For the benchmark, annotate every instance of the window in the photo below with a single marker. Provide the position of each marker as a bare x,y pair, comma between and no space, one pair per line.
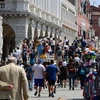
2,4
72,1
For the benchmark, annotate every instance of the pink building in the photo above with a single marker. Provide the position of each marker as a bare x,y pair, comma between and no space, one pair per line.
83,20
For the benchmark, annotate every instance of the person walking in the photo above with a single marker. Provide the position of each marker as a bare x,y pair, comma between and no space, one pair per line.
38,70
51,72
72,71
13,81
82,74
29,74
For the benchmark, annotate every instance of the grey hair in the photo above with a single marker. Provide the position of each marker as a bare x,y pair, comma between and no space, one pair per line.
12,59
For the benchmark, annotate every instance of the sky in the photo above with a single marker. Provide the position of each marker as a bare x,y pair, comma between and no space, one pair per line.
95,2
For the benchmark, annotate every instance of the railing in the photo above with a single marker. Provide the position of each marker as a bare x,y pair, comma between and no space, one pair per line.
69,24
44,14
69,4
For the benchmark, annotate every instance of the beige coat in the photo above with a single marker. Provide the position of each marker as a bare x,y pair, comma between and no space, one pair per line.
15,75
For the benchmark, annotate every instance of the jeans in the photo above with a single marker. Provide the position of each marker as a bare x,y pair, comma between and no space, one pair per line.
30,84
71,79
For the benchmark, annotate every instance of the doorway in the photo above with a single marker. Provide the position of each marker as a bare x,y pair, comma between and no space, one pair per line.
8,41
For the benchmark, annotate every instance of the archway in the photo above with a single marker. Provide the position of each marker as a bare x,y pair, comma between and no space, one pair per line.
8,40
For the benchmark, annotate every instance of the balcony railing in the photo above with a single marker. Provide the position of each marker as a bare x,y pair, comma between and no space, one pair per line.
66,2
44,14
69,24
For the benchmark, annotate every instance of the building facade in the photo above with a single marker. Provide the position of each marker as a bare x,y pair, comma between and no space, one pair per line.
95,19
69,18
95,22
83,20
34,18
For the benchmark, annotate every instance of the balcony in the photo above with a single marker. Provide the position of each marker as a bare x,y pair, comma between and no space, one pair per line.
69,24
68,4
43,14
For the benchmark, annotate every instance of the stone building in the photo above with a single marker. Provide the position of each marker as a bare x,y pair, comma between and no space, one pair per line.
34,18
83,20
95,22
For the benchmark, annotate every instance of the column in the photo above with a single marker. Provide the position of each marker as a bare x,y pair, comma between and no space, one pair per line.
33,29
53,32
43,30
49,32
21,29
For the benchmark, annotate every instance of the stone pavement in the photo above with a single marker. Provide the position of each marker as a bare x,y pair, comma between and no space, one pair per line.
61,92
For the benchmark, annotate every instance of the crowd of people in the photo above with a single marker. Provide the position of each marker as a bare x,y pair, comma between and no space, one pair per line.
68,65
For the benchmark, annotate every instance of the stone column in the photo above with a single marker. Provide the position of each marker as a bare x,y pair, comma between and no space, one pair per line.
43,30
1,38
53,32
33,29
21,29
39,29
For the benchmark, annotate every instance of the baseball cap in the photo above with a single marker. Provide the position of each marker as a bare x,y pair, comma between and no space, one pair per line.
39,61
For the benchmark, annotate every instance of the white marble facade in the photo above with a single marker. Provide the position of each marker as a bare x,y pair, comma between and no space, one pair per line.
34,18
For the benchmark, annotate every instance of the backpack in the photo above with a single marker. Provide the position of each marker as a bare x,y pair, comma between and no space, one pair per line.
24,54
71,68
82,71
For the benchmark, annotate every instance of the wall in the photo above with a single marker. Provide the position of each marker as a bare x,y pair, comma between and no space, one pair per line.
96,24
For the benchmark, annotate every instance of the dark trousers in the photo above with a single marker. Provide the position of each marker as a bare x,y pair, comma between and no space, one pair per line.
71,79
82,79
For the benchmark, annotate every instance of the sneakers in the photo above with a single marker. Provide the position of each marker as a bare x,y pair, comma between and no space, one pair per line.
35,93
72,88
39,95
51,95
